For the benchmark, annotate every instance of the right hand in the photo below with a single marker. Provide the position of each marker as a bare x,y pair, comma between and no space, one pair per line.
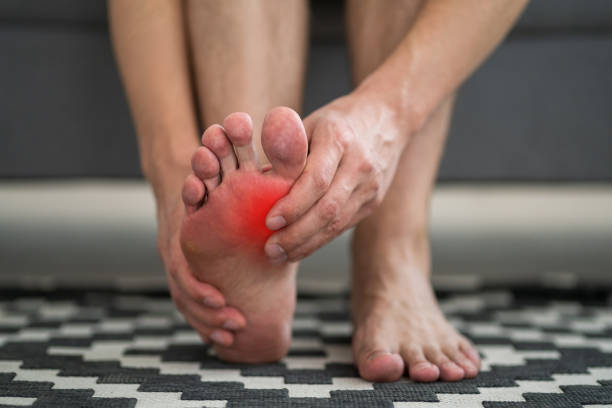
202,305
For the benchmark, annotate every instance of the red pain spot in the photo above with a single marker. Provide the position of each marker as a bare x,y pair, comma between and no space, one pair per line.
256,196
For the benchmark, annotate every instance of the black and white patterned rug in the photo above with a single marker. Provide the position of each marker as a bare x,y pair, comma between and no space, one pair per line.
540,348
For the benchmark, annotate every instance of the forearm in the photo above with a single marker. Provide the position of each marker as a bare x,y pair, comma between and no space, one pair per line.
447,42
150,48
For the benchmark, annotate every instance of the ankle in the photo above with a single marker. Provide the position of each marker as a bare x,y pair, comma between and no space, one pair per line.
383,263
391,243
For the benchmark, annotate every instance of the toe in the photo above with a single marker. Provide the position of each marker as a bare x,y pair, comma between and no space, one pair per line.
239,130
470,352
193,193
215,139
206,167
374,358
284,141
449,371
419,369
460,359
380,366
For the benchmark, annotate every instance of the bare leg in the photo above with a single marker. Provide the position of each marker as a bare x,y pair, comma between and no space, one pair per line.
248,56
398,324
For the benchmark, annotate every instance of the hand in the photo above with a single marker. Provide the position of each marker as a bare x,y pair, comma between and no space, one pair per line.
202,305
355,144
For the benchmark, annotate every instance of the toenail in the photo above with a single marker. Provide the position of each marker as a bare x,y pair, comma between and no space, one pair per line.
212,302
276,253
450,365
421,365
378,354
217,337
276,223
231,325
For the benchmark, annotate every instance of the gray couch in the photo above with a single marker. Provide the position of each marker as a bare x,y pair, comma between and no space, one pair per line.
539,109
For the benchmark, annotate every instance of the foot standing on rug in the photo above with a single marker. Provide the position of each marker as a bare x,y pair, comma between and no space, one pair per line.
367,159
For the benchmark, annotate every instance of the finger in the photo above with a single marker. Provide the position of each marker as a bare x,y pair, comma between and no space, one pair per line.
318,240
328,233
194,289
321,165
326,219
207,333
212,335
226,318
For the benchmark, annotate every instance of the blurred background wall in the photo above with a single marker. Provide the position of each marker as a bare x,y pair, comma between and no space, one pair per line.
524,182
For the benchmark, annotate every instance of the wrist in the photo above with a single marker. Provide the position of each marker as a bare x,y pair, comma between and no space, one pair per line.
395,93
398,84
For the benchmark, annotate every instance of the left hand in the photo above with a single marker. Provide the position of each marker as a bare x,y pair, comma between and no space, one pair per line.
354,146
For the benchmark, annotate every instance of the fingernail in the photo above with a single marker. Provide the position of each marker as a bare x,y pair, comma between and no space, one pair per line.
276,253
231,325
275,223
212,302
217,337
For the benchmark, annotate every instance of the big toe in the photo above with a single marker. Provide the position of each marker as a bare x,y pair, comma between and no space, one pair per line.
284,141
380,366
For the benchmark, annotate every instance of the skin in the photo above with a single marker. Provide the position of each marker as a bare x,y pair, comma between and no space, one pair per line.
366,130
227,198
152,42
372,158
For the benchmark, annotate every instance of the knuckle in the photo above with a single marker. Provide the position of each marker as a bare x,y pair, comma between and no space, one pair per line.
330,209
341,135
366,165
321,180
335,227
343,138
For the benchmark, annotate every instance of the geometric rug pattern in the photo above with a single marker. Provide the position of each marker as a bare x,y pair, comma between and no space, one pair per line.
540,348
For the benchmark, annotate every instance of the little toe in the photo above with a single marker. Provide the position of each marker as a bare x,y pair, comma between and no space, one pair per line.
215,139
239,130
206,167
193,193
284,141
470,351
449,371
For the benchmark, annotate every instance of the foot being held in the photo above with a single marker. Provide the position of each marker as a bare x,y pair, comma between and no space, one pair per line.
227,199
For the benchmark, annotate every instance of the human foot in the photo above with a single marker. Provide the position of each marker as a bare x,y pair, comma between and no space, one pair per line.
398,324
227,199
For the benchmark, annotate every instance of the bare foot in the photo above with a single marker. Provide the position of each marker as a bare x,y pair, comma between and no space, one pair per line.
398,324
227,199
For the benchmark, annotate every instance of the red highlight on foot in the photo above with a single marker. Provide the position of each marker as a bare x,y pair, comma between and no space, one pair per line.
234,217
259,194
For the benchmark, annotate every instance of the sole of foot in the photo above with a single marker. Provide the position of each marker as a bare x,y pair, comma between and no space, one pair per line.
399,327
223,234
